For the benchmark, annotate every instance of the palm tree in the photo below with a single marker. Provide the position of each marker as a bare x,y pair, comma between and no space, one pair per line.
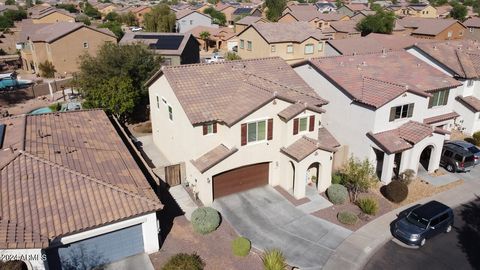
205,36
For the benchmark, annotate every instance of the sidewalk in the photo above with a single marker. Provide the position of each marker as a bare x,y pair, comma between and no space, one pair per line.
357,249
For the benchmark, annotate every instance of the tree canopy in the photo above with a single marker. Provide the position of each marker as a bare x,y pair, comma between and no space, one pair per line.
68,7
10,2
10,16
160,19
275,9
83,18
458,12
114,79
218,17
115,27
381,22
91,11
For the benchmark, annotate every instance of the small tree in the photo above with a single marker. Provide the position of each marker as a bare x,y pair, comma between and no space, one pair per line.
83,18
381,22
47,69
218,17
205,36
275,9
359,176
459,11
160,19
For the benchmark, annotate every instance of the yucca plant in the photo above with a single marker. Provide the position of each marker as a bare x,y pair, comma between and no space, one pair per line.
273,260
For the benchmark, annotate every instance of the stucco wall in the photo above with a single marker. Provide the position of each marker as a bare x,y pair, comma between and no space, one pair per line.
53,18
193,20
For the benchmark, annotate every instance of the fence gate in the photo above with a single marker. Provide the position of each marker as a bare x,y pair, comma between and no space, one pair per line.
173,175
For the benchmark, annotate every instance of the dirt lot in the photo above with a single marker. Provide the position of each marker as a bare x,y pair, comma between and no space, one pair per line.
214,248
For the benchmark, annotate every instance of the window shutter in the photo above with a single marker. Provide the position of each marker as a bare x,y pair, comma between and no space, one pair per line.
430,102
311,125
205,129
410,109
270,129
295,126
214,127
244,134
445,97
392,114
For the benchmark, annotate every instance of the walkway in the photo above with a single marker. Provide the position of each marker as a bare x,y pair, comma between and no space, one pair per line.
270,221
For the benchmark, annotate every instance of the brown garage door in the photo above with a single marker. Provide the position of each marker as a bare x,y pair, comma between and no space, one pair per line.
240,179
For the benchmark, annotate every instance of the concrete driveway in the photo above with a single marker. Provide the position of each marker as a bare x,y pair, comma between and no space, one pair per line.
270,221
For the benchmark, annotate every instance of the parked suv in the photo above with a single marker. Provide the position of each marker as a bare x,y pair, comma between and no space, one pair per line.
469,147
423,222
454,158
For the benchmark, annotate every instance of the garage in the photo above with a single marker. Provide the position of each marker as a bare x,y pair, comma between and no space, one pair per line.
98,250
240,179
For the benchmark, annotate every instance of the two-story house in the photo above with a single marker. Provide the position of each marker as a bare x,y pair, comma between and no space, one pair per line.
47,14
309,13
473,28
239,125
420,10
188,19
293,42
430,28
398,108
458,59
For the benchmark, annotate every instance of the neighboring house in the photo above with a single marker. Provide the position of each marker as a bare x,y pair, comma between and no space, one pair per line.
188,19
140,12
241,12
444,11
439,29
420,10
372,43
293,42
473,28
345,29
219,38
398,120
458,59
326,7
71,191
352,9
239,125
228,10
243,23
47,14
361,15
315,18
61,44
175,49
105,8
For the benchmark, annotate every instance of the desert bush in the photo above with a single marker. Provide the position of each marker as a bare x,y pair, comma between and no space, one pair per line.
273,260
205,220
396,191
476,137
241,246
358,176
407,176
337,178
47,69
184,261
347,217
369,206
470,140
337,193
55,107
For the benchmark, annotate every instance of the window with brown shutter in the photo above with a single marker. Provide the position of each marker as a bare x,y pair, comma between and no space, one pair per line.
312,123
243,135
295,126
214,127
270,129
205,129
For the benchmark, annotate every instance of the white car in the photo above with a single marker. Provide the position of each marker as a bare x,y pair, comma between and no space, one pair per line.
214,58
136,29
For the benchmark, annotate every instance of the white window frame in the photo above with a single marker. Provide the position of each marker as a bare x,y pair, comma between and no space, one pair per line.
289,46
307,125
440,99
85,45
273,48
249,45
403,110
469,83
320,46
242,44
256,131
310,45
209,128
170,112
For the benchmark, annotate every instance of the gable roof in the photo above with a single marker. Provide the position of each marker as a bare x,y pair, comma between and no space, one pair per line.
51,32
462,57
162,43
212,157
349,26
242,10
72,173
470,102
247,20
248,84
306,13
40,12
473,22
286,32
305,146
357,7
366,79
185,12
427,26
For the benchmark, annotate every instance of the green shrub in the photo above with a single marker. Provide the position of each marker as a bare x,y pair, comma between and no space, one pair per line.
337,178
205,220
470,140
337,194
183,261
476,137
369,206
273,260
407,176
241,246
47,69
347,217
55,107
396,191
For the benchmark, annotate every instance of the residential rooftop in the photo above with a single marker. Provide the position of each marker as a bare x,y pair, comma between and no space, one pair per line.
426,26
162,43
286,32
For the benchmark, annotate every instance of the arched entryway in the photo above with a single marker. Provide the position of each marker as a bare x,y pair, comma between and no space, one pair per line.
426,158
291,174
313,173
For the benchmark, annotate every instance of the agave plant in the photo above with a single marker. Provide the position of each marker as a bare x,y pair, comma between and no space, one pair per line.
273,260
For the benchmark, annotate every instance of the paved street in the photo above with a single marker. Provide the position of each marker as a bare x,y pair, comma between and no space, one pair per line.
458,249
270,221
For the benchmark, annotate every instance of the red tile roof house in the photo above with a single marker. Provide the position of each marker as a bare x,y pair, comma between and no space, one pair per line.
385,107
239,125
460,60
71,190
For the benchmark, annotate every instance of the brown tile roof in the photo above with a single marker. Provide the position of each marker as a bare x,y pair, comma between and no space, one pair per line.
357,7
366,79
216,33
286,32
73,173
305,146
440,118
185,12
345,26
213,157
472,22
401,138
306,13
53,31
207,91
374,43
247,20
15,236
471,102
133,37
462,57
295,109
38,14
13,140
441,10
138,9
426,26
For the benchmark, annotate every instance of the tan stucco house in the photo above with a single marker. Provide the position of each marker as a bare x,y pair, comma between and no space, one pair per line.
48,14
439,29
293,42
237,125
61,44
420,10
